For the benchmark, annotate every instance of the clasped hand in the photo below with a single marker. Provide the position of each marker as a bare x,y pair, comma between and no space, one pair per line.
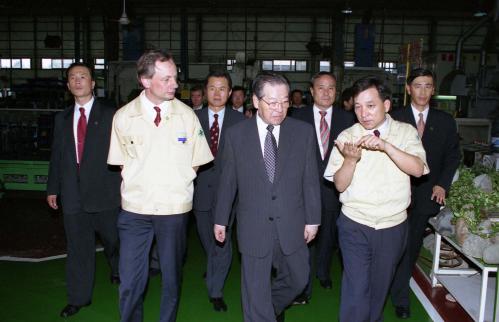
353,151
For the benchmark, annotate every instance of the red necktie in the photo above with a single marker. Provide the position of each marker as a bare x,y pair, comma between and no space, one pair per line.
157,120
324,129
214,136
81,131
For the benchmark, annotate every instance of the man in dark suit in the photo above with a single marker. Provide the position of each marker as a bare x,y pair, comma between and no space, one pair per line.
215,120
328,122
269,160
438,133
88,190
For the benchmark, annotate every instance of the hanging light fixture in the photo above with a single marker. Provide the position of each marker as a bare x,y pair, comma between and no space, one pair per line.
347,10
124,18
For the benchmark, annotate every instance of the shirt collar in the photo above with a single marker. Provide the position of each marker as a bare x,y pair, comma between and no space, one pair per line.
87,106
416,112
220,113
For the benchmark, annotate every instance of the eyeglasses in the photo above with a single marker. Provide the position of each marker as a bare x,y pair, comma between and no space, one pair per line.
274,105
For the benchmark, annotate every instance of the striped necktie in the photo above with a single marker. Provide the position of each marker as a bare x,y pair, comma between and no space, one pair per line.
324,132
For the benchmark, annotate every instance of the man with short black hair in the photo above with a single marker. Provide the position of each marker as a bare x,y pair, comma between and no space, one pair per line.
438,133
215,120
237,98
371,165
87,188
328,122
196,97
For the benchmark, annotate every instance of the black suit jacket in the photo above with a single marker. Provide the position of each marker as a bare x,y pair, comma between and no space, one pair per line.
206,181
95,186
441,143
291,202
340,121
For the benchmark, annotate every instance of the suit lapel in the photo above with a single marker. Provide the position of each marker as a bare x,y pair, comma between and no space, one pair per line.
283,150
428,127
254,150
205,123
69,133
92,138
309,117
409,116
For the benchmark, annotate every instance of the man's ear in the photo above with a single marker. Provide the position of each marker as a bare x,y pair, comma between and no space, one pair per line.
146,82
387,104
255,101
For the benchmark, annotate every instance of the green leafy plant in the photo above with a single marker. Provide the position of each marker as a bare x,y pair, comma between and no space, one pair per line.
471,203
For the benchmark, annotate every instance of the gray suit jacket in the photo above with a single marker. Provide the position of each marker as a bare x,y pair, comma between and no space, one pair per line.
291,202
95,186
206,181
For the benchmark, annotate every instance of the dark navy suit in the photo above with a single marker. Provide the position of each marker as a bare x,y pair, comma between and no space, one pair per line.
441,143
271,217
219,256
89,195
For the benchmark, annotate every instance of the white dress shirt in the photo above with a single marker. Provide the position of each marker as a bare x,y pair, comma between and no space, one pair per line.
262,132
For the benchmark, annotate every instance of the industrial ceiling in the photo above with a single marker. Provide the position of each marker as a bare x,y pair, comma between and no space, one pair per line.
113,8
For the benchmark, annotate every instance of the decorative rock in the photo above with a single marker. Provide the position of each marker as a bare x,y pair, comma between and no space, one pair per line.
442,222
474,245
485,227
462,231
491,254
483,182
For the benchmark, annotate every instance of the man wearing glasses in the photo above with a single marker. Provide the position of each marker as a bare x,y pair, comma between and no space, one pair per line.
269,161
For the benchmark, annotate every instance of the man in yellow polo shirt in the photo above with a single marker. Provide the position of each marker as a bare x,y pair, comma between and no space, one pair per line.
371,166
159,143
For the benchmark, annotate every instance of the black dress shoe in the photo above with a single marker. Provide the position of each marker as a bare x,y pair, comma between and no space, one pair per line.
218,304
115,279
70,309
301,299
280,317
327,284
403,312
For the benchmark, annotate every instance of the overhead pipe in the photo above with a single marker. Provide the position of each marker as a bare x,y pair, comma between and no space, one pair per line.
466,35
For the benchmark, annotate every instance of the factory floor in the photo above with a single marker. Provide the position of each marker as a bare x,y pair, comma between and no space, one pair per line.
35,291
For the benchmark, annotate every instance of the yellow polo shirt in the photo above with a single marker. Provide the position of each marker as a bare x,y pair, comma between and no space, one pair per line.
380,192
157,161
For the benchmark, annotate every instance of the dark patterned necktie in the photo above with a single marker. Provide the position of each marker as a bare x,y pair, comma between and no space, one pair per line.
270,153
81,132
214,133
157,120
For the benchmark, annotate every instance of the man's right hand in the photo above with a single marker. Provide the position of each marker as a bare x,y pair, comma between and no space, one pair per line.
219,232
52,201
350,151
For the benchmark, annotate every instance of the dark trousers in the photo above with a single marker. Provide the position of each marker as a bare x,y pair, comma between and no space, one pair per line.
370,258
219,256
80,231
326,243
264,297
136,235
400,288
321,249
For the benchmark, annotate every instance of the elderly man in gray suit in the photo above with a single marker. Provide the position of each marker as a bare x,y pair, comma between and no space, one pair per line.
269,160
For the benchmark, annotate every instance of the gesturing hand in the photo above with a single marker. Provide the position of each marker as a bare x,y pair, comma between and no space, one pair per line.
349,150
